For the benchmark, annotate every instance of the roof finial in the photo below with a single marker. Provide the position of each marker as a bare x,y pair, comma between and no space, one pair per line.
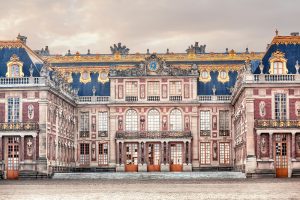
276,32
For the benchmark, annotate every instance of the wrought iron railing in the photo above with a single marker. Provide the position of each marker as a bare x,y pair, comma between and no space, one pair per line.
152,134
84,134
102,133
18,126
277,123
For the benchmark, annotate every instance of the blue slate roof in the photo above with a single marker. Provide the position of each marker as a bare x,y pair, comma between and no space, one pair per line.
23,54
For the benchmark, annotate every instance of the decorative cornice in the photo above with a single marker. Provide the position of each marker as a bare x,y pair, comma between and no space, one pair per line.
141,57
11,44
286,40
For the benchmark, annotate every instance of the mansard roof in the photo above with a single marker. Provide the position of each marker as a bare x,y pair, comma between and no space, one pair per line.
10,48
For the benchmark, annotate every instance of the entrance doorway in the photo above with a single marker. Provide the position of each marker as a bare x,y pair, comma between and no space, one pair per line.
13,158
131,157
153,157
281,159
176,157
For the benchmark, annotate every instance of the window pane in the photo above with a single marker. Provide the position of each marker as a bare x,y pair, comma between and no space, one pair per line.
103,121
131,121
175,120
175,88
153,120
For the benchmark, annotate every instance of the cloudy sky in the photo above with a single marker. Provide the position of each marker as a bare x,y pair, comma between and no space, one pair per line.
79,25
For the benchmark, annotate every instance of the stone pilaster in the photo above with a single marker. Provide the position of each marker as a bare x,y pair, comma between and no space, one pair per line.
271,145
1,149
293,146
21,146
258,145
112,135
195,142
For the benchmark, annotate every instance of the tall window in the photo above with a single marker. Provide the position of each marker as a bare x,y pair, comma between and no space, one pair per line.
280,106
224,122
153,88
205,123
175,88
13,109
131,88
84,154
175,120
131,121
103,121
84,124
278,67
103,154
224,153
205,153
153,120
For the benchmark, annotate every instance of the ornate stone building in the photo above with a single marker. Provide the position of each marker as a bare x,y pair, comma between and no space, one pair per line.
119,112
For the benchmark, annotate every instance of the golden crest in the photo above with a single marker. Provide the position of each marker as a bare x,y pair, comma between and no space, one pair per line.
223,76
85,77
14,67
103,76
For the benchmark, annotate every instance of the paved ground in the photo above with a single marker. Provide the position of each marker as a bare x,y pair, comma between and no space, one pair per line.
151,189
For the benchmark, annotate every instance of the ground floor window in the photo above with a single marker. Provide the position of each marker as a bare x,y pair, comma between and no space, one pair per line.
224,153
103,154
176,154
84,154
205,153
131,154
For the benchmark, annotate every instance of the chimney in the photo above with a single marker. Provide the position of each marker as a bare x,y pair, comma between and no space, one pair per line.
295,34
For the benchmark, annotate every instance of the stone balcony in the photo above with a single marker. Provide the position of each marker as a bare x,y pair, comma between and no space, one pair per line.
214,98
19,126
270,78
263,124
153,134
93,100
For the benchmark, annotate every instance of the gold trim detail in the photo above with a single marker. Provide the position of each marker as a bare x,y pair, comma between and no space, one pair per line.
278,56
286,40
103,77
87,79
202,75
14,60
223,76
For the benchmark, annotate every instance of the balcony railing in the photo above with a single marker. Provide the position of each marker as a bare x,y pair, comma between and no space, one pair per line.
153,98
102,133
175,98
214,98
12,82
277,123
18,126
152,134
93,99
276,78
131,98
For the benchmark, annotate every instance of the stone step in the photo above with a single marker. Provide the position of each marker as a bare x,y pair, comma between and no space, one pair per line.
31,175
150,175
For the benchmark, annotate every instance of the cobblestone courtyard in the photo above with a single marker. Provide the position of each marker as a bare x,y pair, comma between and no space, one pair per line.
151,189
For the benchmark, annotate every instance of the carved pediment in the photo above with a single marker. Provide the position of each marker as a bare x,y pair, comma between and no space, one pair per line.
155,66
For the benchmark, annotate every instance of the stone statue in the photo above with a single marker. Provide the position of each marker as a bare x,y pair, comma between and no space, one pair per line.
29,147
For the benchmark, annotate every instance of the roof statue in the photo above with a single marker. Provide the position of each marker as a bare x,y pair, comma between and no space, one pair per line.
123,50
196,49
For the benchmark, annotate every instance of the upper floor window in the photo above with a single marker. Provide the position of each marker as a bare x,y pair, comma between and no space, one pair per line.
278,68
14,67
278,63
131,120
205,123
13,109
280,106
175,88
84,121
153,88
175,120
103,121
131,88
153,120
224,122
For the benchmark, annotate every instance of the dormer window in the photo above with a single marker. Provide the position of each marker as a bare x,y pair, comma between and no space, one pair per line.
14,67
278,64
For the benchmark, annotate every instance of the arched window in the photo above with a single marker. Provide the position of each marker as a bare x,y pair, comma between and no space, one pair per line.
153,120
176,120
131,120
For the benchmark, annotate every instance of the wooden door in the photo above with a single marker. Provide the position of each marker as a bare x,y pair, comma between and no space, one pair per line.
176,157
131,157
12,148
153,150
281,155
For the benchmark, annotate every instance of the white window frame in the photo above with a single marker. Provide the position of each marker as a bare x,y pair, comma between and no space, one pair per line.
103,121
205,153
280,106
131,88
13,109
84,121
176,120
131,120
153,120
175,88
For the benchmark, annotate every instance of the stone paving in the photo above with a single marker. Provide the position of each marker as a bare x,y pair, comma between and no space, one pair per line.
151,189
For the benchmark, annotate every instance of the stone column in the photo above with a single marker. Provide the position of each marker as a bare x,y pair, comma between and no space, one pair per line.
258,145
145,153
271,145
122,153
162,152
117,153
293,149
140,153
22,149
190,153
34,149
184,154
1,150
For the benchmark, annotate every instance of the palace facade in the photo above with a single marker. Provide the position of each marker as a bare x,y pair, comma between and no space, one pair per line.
142,112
